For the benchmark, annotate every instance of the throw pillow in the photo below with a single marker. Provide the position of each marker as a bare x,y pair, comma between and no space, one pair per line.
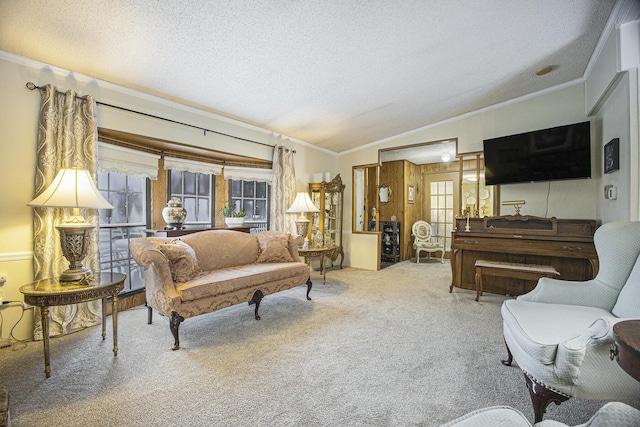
182,260
274,249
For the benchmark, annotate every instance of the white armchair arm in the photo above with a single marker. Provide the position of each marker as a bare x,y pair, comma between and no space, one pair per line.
600,331
571,352
591,293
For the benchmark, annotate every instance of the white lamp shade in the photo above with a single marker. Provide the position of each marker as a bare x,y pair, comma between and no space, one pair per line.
302,203
72,188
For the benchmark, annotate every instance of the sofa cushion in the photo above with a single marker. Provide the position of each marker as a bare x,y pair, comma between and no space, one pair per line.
218,249
219,282
182,260
628,303
274,248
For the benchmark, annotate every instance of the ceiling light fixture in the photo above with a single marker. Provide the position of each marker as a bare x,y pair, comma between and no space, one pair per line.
544,70
446,156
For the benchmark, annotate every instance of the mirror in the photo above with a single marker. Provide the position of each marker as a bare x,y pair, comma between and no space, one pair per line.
476,200
364,198
385,193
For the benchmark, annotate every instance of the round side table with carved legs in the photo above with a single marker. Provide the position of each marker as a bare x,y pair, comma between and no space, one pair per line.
49,292
322,253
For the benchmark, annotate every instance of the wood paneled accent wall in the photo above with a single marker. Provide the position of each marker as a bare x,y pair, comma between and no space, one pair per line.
392,175
398,175
412,211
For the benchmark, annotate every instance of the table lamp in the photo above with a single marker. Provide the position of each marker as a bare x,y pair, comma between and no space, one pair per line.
73,188
302,204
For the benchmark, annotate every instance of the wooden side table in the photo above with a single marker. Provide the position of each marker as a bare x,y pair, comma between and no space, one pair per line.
322,253
626,349
50,292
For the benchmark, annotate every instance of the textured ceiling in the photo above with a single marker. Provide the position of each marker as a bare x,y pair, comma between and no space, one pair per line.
338,74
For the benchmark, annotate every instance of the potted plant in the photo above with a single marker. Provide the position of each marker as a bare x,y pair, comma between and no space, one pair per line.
232,217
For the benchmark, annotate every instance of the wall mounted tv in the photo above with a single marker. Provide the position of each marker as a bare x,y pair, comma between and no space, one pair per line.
558,153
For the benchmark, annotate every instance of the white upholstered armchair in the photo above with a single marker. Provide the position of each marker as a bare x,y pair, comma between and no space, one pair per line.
424,240
560,333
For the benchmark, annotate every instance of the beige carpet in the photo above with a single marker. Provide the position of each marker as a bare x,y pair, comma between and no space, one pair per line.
384,348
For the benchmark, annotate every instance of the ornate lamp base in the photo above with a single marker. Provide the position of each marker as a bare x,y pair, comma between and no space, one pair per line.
75,240
302,227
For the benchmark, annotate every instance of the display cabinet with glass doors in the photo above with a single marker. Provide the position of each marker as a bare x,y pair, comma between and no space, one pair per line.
476,199
325,229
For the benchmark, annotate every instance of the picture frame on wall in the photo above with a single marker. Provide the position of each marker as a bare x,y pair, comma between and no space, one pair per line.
410,194
612,155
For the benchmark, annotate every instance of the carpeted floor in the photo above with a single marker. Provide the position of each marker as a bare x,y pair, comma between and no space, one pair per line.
386,348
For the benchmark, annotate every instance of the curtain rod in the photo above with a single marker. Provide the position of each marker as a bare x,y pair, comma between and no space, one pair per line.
33,86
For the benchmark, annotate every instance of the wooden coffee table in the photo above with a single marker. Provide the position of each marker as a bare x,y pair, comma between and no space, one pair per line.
49,292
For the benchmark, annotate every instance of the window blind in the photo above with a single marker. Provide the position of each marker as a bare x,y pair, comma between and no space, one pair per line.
248,174
125,161
173,163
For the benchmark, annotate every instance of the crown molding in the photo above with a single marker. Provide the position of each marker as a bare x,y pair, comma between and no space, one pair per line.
469,114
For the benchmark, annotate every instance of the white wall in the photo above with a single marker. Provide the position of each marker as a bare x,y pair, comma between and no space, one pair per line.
613,122
19,110
612,99
566,199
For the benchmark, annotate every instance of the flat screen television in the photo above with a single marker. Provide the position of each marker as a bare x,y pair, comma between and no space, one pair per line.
558,153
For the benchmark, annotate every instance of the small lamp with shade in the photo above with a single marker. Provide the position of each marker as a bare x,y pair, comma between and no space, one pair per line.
302,204
73,188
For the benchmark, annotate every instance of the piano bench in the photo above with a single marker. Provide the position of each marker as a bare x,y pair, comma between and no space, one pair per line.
511,270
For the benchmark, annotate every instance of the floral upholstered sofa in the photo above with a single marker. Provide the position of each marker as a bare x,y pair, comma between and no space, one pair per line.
209,270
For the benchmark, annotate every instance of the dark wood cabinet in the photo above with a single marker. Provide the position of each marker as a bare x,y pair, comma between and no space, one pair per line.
565,244
390,241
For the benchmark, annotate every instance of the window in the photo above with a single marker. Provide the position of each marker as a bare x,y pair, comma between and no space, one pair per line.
196,191
128,195
253,197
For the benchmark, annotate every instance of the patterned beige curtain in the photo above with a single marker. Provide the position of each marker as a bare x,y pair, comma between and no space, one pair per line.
283,190
66,138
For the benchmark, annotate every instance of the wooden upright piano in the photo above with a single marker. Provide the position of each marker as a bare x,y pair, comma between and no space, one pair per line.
566,244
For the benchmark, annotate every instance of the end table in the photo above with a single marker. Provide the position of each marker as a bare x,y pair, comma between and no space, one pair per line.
626,347
317,252
49,292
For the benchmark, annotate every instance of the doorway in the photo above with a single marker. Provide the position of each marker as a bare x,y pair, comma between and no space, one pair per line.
408,173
